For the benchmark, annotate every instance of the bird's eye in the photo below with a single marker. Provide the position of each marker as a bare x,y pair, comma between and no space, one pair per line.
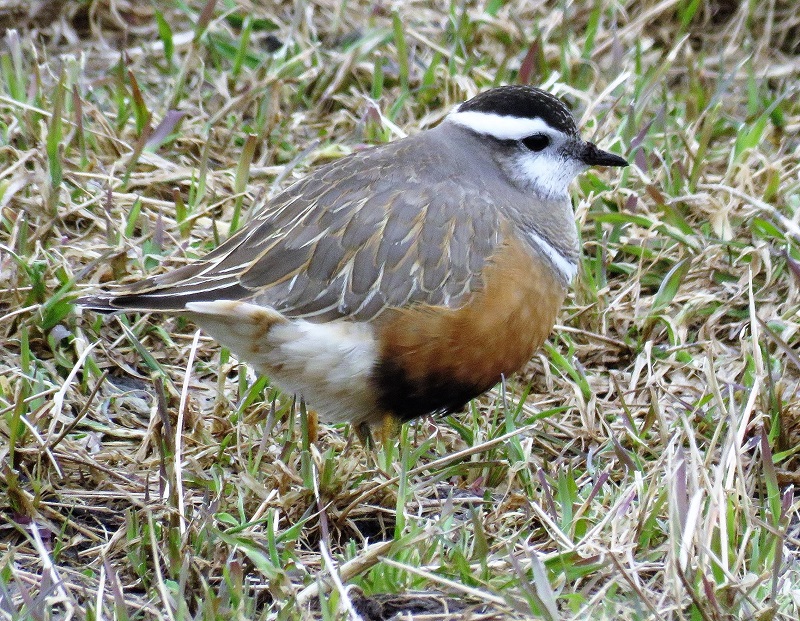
537,142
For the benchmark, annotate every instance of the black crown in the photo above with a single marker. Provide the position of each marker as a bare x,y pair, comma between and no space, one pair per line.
525,102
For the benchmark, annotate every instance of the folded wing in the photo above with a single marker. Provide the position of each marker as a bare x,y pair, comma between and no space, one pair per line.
346,241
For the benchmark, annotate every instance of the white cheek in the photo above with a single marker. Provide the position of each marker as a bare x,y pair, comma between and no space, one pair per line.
547,174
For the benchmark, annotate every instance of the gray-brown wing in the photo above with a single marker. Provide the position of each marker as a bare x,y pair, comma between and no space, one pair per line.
375,249
379,242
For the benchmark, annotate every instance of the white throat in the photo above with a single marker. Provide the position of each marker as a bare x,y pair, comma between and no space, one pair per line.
547,174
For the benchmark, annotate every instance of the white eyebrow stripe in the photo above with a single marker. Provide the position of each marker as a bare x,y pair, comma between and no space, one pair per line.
499,126
567,268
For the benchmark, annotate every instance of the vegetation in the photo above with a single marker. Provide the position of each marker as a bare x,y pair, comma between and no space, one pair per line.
642,467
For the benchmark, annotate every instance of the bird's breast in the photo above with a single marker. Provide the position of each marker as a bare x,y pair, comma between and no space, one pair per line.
432,358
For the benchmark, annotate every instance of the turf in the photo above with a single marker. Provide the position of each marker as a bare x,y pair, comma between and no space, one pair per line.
641,467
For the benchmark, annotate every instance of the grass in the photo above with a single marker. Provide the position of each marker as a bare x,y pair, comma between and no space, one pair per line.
643,465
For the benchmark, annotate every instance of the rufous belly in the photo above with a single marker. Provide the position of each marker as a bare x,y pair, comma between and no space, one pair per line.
433,358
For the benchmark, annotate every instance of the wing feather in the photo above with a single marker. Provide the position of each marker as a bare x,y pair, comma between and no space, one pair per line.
415,237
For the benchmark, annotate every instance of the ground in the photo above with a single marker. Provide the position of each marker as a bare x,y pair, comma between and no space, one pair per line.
641,467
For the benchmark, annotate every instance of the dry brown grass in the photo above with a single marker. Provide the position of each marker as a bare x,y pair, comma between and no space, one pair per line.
643,466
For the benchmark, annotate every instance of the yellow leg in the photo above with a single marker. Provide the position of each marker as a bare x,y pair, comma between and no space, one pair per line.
313,426
309,424
364,434
384,430
389,428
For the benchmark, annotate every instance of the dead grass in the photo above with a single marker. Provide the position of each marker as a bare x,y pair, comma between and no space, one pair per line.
642,468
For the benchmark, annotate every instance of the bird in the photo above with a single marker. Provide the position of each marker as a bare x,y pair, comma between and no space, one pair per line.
402,280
